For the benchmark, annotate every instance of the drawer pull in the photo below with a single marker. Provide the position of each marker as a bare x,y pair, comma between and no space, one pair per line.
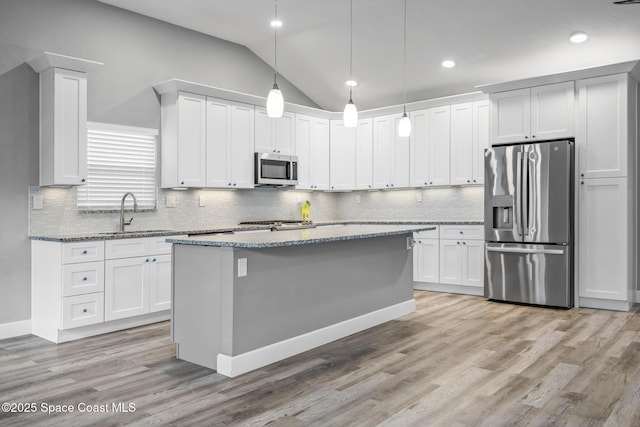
84,252
84,310
154,260
84,279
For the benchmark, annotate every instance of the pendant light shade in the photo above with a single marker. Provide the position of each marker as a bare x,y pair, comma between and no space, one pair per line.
350,116
404,126
275,101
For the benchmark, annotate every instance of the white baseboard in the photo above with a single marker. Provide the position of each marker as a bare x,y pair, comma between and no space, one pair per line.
451,289
15,329
603,304
233,366
112,326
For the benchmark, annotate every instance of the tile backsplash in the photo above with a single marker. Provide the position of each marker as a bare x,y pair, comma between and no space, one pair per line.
203,209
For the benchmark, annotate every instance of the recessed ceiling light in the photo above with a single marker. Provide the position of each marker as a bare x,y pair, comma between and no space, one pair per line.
351,83
276,24
447,63
579,37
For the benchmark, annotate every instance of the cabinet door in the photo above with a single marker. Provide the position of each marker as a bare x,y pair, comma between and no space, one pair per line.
419,147
343,156
552,111
303,147
69,120
439,145
242,145
480,139
450,262
473,263
284,133
126,289
192,140
218,132
400,156
426,260
601,138
364,154
381,152
510,116
319,151
462,154
263,131
160,283
603,235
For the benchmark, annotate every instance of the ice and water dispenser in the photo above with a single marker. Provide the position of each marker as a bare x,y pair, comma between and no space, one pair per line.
502,212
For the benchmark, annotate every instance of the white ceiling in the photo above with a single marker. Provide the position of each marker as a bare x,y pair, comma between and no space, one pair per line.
491,41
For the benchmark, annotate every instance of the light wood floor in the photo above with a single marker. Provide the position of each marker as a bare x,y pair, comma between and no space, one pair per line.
458,361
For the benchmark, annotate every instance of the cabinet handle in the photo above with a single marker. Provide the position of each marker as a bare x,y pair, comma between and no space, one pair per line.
83,180
84,310
234,184
369,186
526,137
457,243
533,136
84,252
146,260
430,183
392,185
84,279
461,232
464,243
581,182
582,175
468,181
181,182
474,180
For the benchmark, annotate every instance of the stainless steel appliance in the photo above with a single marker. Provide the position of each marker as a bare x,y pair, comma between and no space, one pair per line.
276,169
528,222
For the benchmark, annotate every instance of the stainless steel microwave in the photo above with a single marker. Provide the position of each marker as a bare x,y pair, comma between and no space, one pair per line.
276,169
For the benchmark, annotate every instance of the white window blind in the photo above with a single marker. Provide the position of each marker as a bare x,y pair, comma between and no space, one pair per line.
119,159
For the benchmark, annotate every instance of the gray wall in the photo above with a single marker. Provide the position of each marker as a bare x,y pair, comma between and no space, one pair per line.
137,52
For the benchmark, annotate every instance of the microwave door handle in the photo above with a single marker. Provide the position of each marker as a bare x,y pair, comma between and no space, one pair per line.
517,205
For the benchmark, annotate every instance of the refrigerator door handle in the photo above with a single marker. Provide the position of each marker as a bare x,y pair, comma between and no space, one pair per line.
517,203
526,251
526,179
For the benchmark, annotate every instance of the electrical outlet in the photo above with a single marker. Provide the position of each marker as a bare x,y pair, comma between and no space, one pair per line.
202,202
170,202
36,202
357,199
419,196
242,267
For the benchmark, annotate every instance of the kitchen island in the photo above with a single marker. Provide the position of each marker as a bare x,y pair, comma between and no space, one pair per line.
243,301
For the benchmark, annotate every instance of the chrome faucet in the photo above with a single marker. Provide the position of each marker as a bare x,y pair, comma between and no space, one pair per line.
135,209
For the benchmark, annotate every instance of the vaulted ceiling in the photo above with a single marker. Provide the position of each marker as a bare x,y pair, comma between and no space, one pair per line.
491,41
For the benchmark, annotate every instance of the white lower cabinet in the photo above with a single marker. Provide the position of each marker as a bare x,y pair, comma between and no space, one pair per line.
450,264
91,283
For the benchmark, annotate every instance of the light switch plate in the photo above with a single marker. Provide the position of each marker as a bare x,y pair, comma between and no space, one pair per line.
170,202
242,267
36,202
202,202
357,199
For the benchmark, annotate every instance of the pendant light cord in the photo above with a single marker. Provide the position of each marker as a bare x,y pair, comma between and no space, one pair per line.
275,43
405,58
350,46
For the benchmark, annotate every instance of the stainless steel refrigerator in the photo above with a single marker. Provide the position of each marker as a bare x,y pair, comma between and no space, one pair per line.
528,223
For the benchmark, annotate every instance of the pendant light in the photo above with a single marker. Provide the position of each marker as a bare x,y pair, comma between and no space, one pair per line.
404,126
275,102
350,116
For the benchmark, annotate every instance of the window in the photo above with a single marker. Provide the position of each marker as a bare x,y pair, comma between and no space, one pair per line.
119,159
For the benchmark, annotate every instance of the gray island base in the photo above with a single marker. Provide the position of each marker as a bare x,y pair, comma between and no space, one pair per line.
244,301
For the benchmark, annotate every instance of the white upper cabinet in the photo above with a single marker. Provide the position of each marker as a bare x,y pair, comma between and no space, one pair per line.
192,140
364,154
312,148
274,135
382,152
538,113
602,135
469,138
439,144
401,153
343,156
418,145
230,144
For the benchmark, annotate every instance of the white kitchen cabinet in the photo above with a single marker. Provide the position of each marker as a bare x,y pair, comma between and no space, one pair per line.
538,113
602,135
439,145
230,144
469,138
364,154
450,260
63,118
342,151
274,135
160,283
426,256
126,287
391,154
312,148
604,241
419,148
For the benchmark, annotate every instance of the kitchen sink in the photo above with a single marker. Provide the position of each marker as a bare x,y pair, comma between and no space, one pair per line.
111,233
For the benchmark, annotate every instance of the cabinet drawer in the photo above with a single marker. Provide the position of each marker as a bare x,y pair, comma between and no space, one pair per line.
82,278
126,248
467,232
82,251
82,310
430,234
159,245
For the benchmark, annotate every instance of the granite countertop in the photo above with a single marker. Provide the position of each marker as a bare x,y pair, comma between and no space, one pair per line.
111,235
302,236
